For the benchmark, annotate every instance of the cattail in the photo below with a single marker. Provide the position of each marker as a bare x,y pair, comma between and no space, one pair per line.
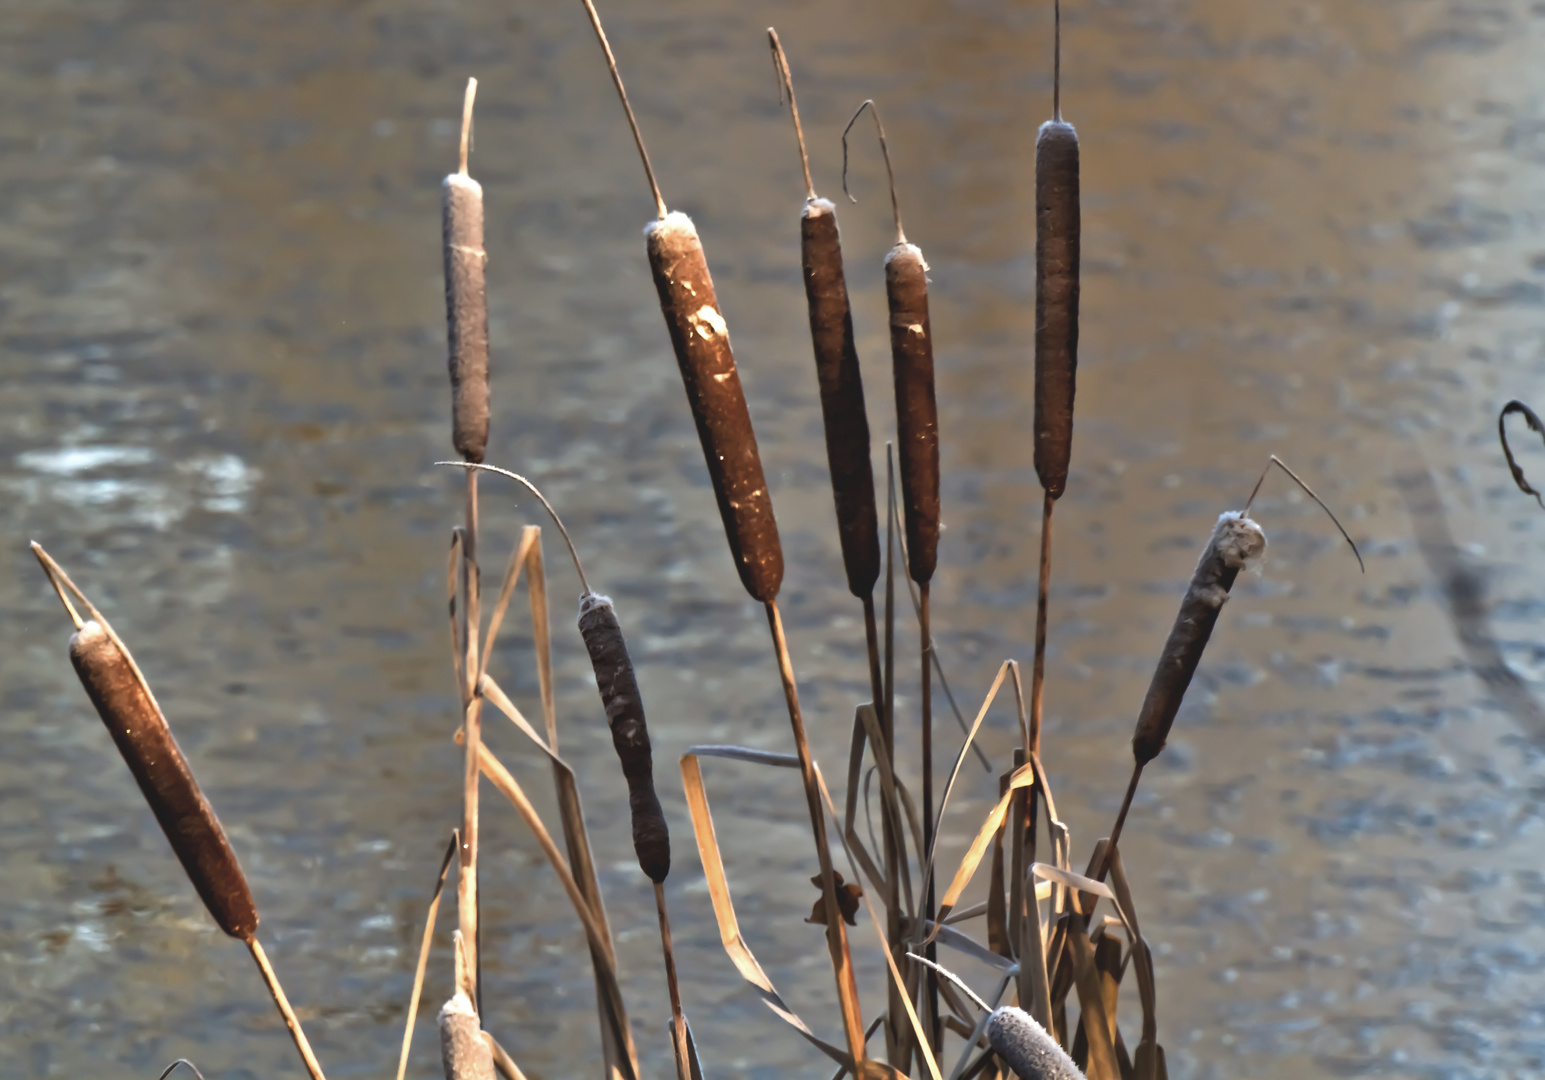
917,415
464,1053
702,344
1057,223
148,748
1235,540
836,368
466,303
1026,1048
630,735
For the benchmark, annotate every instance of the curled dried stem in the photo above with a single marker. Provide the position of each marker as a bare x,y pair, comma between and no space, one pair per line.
1533,420
786,83
890,176
529,486
1275,460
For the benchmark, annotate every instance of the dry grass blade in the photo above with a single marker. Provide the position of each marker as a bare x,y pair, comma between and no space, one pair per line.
960,758
496,696
918,1034
1091,1001
600,944
1142,959
1535,425
423,955
1071,880
724,911
529,538
571,813
774,758
502,1060
1022,777
1309,491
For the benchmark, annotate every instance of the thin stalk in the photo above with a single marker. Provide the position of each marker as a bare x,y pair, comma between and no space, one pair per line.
678,1024
836,932
290,1020
472,713
1038,672
930,951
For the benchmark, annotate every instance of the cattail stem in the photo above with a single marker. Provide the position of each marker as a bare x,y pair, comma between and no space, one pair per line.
290,1020
930,950
678,1024
472,714
836,932
622,93
1121,820
876,676
1038,672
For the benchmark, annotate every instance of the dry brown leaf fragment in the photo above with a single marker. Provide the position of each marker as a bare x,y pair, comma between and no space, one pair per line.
847,901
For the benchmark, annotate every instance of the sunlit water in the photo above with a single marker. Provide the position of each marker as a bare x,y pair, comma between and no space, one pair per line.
1309,229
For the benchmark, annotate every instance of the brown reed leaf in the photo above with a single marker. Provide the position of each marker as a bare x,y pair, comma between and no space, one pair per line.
1096,1022
735,946
502,1060
423,953
529,537
600,943
1022,777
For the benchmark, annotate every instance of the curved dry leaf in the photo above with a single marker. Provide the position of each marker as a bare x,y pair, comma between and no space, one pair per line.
1530,418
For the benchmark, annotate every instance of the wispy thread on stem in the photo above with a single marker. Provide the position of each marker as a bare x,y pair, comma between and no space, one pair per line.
574,555
786,83
1275,460
622,93
890,176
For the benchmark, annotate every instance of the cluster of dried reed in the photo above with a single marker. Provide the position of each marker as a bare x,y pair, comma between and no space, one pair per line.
1043,933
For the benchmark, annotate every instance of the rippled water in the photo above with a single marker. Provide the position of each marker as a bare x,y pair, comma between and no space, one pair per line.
1310,229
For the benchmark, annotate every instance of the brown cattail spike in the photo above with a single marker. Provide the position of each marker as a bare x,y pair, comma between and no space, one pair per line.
1057,223
702,344
466,304
842,395
1235,541
153,757
917,414
630,735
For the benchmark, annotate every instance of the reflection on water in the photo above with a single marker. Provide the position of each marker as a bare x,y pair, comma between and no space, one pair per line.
1310,229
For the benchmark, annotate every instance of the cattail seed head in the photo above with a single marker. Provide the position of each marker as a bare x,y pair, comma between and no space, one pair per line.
466,312
630,735
842,395
702,344
1057,227
917,414
148,748
1026,1047
1235,541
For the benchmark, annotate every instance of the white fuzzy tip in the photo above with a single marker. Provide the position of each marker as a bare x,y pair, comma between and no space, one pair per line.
674,222
818,208
1238,539
590,601
906,251
462,180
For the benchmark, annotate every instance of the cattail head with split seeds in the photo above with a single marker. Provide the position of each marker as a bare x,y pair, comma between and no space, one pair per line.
157,764
702,344
1236,540
630,735
466,302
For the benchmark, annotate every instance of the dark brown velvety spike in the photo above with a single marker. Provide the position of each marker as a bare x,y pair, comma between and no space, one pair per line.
842,396
917,415
630,735
702,344
150,751
1235,541
1057,224
466,313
